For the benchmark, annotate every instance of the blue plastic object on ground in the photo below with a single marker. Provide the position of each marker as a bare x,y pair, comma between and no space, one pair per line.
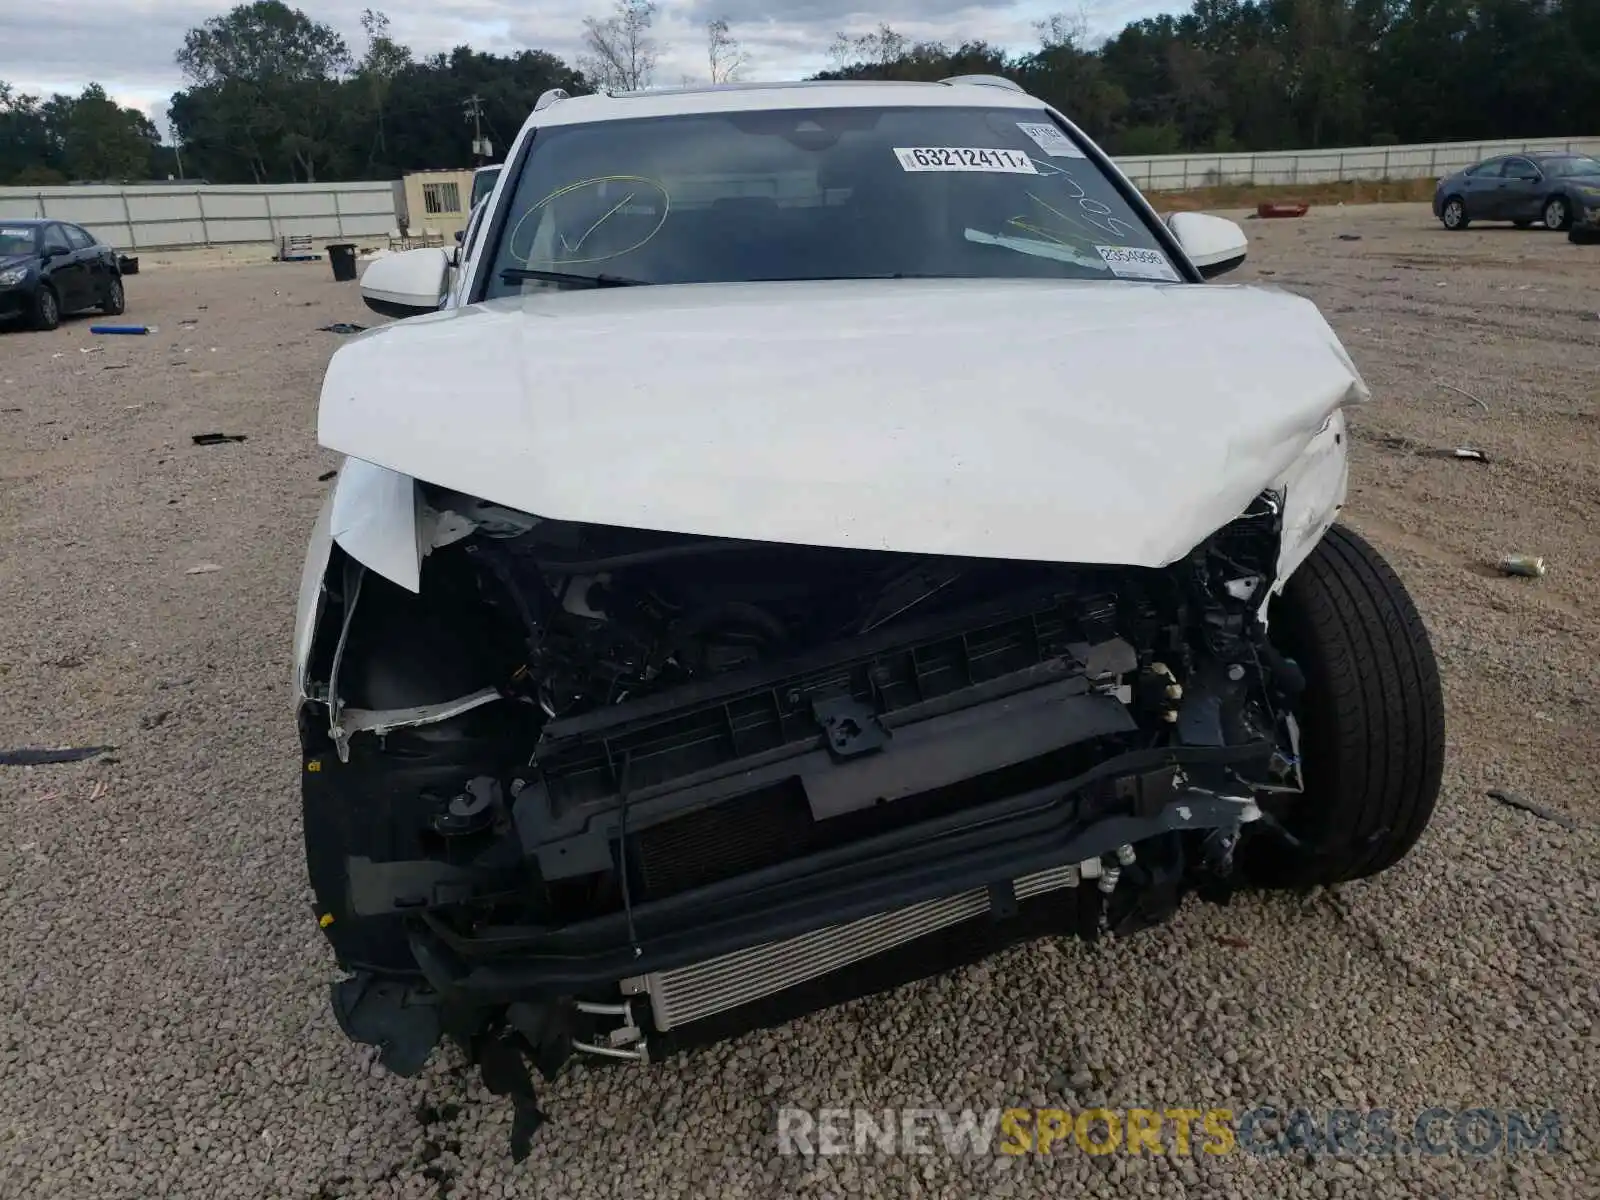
130,329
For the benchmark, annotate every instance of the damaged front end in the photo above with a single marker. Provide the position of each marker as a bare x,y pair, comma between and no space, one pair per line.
589,790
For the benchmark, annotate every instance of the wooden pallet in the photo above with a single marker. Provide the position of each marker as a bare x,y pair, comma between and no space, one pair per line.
295,248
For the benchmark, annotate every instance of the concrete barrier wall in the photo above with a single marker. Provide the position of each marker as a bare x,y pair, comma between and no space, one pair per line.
170,216
1183,172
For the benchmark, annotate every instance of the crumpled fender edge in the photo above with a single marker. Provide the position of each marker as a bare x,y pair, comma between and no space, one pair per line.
371,514
308,609
1313,493
374,520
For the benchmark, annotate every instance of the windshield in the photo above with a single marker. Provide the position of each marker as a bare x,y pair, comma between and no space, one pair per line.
482,185
1578,164
16,239
821,193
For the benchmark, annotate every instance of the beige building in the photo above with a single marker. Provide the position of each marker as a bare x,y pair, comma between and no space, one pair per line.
436,202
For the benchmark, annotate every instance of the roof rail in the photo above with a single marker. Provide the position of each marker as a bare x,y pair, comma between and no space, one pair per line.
549,98
999,81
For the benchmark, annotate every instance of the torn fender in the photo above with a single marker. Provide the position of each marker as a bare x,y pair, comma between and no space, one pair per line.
371,514
313,593
374,521
376,517
1313,492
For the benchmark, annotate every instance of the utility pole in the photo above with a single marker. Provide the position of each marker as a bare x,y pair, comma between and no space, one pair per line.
473,109
177,147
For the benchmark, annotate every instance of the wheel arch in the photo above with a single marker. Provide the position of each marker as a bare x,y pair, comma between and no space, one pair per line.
1371,717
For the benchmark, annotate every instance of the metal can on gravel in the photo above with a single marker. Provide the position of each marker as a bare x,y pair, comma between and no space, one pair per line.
1531,565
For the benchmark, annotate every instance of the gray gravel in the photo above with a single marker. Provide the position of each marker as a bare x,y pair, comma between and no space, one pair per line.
163,1024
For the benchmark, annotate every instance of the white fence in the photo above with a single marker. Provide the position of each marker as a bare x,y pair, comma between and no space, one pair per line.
168,216
1181,172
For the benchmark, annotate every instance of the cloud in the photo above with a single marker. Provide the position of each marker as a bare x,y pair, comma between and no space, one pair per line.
66,44
839,14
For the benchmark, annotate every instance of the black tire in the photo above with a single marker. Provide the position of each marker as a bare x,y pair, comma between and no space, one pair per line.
1557,213
46,312
1371,721
1584,235
116,299
1453,214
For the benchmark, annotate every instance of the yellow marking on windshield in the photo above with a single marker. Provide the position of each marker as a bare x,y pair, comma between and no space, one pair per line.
1070,220
598,223
517,229
1029,227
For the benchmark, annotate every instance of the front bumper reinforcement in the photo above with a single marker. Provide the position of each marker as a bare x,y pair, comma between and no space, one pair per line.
1122,800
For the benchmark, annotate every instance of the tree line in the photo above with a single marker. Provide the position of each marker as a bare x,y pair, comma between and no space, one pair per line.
275,96
89,136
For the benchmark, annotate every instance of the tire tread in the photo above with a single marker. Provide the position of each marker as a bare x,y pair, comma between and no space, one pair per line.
1377,747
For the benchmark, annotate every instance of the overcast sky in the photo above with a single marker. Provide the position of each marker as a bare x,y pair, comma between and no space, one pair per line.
127,45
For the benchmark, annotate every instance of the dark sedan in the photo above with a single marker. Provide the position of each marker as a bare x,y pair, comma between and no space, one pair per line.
48,268
1551,188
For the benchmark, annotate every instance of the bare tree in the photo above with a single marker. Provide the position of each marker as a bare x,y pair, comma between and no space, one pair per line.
384,60
620,53
723,52
1064,30
878,48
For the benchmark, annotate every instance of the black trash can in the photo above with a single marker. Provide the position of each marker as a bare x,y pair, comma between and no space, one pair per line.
342,255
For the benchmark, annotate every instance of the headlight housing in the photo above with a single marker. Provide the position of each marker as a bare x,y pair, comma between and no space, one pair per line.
13,276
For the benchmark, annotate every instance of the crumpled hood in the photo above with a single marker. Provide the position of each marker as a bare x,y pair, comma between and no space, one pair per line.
1077,422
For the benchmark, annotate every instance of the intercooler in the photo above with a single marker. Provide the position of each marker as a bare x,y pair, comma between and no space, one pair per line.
719,984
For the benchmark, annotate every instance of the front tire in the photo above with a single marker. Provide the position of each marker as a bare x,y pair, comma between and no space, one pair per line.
1557,214
1371,720
46,314
1454,214
116,300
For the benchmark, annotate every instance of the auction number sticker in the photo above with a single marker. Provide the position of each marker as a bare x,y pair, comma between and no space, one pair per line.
1050,139
23,232
1132,262
969,158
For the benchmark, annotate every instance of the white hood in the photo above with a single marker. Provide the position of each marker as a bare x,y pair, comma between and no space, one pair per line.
1110,422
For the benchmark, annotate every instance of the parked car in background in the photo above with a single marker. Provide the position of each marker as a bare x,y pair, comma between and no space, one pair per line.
1585,230
48,268
483,181
1553,188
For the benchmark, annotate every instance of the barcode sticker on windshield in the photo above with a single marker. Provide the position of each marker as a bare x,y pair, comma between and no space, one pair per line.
1051,140
1133,262
955,158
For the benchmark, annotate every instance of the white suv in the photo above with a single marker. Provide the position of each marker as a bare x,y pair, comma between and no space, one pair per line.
830,533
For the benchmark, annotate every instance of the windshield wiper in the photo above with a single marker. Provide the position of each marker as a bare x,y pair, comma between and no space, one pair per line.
515,274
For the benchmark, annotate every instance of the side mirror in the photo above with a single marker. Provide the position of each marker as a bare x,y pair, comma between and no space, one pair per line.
1215,245
460,236
408,283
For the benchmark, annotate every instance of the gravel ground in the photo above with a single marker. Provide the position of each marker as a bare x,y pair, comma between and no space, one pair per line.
163,1023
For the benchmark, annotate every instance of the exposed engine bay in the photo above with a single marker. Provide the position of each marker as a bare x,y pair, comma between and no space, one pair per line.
592,789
